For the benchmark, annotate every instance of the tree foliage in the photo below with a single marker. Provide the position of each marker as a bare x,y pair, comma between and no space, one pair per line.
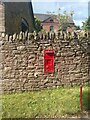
63,19
77,27
86,24
37,24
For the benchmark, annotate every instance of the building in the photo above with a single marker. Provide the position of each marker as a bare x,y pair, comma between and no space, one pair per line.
51,23
16,17
48,22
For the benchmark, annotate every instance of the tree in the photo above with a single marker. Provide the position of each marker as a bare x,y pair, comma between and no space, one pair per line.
63,19
37,24
86,24
77,27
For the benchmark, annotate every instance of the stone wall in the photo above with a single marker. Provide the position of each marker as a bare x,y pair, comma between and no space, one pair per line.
23,61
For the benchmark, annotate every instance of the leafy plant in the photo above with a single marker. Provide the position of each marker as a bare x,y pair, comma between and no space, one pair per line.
37,24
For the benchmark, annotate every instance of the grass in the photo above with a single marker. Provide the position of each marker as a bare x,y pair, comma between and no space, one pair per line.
46,103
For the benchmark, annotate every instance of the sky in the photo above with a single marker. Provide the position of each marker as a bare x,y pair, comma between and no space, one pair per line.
80,8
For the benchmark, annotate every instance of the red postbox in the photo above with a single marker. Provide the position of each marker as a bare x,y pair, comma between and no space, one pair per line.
48,61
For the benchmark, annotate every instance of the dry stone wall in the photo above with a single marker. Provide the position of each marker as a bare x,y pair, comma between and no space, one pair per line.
22,62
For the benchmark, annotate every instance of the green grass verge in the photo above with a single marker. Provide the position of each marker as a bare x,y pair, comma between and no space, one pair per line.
46,103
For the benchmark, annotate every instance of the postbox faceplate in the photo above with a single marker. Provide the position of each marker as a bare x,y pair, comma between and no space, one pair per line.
48,61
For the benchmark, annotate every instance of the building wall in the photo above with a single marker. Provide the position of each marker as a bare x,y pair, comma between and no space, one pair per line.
47,23
46,26
23,61
14,12
2,18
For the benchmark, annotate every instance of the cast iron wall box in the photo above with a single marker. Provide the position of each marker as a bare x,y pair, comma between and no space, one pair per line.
48,61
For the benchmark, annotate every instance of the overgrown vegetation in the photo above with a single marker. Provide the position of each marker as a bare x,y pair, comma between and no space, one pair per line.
86,24
63,19
37,24
56,102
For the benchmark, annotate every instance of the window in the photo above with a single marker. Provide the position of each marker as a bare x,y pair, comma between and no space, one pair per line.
51,20
51,28
24,25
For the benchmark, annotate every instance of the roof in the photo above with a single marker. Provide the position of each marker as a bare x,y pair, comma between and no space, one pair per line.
43,17
70,19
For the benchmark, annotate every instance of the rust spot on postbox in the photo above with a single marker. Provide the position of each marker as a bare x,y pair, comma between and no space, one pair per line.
48,61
